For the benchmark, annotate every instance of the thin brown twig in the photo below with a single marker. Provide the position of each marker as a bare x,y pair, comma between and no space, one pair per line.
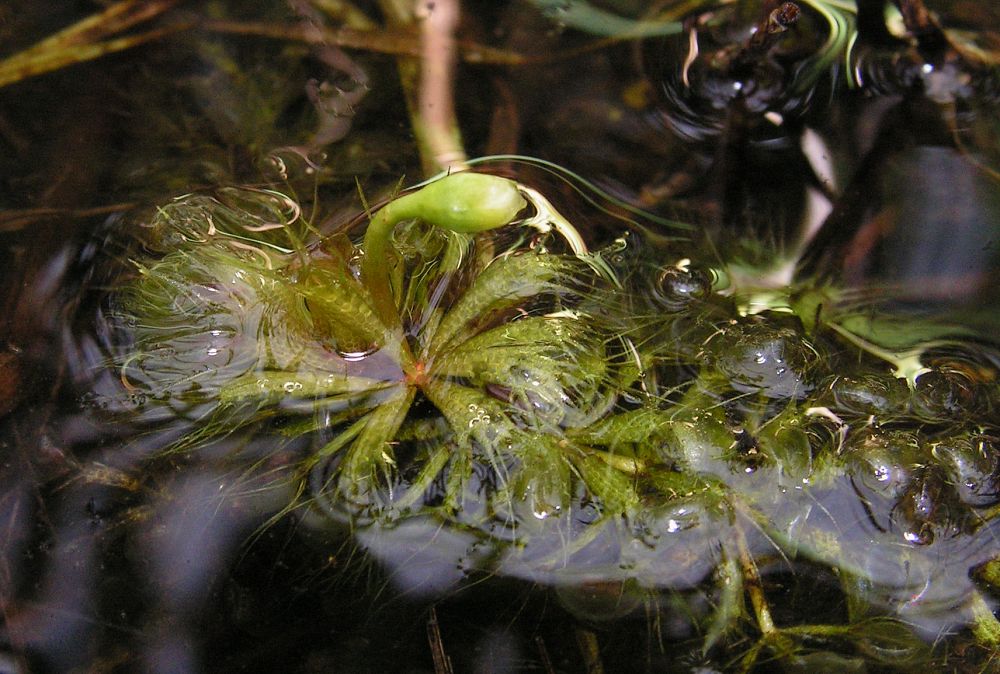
442,663
396,41
752,582
20,69
114,19
13,220
436,100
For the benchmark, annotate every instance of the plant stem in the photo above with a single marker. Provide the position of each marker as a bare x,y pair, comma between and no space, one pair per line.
461,202
437,127
82,41
428,83
375,265
751,579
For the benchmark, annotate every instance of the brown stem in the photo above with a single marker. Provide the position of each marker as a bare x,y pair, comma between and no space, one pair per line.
436,102
395,40
442,663
36,62
398,41
17,219
428,82
751,580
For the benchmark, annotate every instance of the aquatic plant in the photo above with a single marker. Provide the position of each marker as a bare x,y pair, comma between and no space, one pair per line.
486,330
580,417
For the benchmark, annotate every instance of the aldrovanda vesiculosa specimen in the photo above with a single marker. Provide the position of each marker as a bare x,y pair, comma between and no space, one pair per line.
575,415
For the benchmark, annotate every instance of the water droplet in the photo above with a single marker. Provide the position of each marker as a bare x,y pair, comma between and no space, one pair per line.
913,537
292,386
355,356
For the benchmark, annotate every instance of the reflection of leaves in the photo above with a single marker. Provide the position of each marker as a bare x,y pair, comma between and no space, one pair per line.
885,641
210,121
212,108
244,102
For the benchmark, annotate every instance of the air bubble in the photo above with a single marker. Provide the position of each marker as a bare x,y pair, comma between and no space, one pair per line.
356,356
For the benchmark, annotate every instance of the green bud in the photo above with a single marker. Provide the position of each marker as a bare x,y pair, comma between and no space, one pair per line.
460,202
469,202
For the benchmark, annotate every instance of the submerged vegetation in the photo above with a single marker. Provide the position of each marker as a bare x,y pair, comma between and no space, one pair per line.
711,353
580,417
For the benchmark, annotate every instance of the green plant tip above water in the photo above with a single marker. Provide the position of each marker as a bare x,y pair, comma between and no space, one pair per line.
465,203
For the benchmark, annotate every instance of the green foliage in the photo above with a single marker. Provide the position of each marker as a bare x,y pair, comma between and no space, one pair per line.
622,422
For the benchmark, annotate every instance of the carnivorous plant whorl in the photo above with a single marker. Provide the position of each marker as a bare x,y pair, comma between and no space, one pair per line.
441,320
464,364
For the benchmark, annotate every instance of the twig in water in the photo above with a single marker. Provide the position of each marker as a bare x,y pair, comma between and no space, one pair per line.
442,663
590,650
543,653
85,40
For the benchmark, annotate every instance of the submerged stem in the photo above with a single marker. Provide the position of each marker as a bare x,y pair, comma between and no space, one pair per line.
462,202
751,579
85,40
428,82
